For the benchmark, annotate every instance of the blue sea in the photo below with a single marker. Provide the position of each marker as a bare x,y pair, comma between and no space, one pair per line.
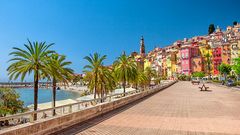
44,95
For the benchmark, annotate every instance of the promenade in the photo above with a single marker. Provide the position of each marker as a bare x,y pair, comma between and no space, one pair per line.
181,109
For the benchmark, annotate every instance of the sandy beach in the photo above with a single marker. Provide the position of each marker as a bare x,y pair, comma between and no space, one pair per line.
82,98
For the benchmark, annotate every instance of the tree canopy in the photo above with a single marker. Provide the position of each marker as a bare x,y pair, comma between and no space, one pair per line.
30,60
234,23
236,66
211,28
125,70
198,74
224,69
10,102
150,74
92,71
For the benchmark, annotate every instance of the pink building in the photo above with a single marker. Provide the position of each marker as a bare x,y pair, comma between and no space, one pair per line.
185,52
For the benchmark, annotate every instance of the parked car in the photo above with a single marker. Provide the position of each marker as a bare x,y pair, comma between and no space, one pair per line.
206,80
195,81
230,82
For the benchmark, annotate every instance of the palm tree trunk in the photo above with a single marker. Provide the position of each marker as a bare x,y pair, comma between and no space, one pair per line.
95,86
209,73
101,93
124,85
104,92
35,93
54,96
103,88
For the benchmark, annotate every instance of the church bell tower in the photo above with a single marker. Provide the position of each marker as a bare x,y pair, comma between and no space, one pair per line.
142,54
142,47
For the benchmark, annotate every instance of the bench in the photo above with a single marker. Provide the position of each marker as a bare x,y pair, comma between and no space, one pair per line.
203,87
195,82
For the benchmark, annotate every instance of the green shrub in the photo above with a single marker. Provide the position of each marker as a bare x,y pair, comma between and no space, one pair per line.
198,74
234,77
216,81
85,93
215,78
237,83
163,78
183,77
10,102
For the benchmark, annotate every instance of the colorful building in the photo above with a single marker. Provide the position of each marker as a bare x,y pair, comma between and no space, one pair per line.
196,59
178,62
206,53
185,59
217,59
159,61
168,64
164,65
226,53
197,54
234,46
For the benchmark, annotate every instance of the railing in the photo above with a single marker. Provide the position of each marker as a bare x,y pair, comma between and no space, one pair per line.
26,117
22,84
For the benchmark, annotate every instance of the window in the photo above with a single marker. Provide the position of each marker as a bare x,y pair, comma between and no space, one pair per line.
182,55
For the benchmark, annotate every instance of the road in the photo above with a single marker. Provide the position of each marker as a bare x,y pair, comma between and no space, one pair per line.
181,109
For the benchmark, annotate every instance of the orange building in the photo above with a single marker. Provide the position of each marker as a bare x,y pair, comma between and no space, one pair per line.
226,53
196,59
197,64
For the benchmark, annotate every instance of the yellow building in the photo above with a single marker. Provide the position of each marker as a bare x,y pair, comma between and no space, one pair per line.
147,63
206,53
169,65
173,64
178,62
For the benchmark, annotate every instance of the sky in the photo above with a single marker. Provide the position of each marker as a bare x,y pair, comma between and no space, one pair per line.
81,27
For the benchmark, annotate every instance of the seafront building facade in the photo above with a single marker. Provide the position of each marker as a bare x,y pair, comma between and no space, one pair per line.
197,54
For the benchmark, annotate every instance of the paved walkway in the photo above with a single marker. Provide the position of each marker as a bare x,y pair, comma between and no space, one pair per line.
178,110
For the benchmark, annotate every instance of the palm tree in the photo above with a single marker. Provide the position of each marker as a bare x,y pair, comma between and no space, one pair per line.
125,70
140,79
95,63
208,61
31,60
89,81
106,81
57,71
150,73
157,78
